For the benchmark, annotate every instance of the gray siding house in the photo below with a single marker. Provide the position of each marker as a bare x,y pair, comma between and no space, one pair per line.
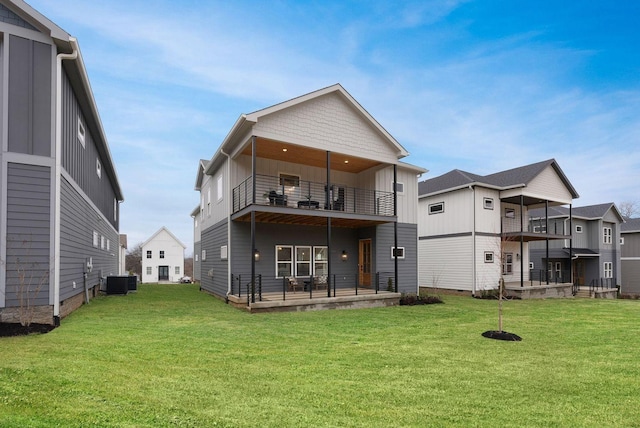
59,193
308,199
630,256
593,260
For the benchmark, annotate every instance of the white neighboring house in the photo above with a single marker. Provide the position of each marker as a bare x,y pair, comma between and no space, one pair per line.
122,255
162,257
473,229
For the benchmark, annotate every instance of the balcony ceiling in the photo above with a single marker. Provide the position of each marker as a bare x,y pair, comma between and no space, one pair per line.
308,220
271,149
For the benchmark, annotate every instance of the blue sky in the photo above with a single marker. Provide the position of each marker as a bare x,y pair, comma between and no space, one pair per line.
480,86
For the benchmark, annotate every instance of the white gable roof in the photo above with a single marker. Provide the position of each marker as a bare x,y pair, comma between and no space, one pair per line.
163,229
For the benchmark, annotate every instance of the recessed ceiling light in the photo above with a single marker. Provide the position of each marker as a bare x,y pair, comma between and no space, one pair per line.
285,149
346,161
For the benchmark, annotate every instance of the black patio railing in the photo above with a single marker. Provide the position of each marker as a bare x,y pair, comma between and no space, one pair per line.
540,277
538,225
602,284
311,195
311,287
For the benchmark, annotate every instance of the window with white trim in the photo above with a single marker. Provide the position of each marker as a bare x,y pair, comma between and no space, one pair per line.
284,261
162,254
96,238
608,269
510,213
195,257
148,254
102,242
399,188
98,168
530,265
81,131
204,255
115,209
507,265
177,270
488,203
320,261
436,208
399,251
606,235
219,188
578,228
488,256
622,240
303,261
108,245
224,252
148,270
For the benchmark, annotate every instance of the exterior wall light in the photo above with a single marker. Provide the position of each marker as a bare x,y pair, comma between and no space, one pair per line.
344,256
256,255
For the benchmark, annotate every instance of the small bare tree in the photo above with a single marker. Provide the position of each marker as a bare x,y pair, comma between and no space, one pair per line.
31,276
133,259
629,209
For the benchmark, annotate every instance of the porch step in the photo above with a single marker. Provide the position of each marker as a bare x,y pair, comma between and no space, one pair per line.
583,294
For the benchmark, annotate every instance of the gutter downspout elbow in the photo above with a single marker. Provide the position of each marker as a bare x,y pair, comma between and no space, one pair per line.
57,174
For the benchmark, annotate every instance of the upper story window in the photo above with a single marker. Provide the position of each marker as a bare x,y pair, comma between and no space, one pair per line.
436,208
162,254
115,209
219,188
81,132
606,235
488,203
95,239
608,269
148,254
578,229
399,188
289,180
509,213
397,251
622,240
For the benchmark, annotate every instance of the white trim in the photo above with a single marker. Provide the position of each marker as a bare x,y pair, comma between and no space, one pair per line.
398,183
434,205
402,250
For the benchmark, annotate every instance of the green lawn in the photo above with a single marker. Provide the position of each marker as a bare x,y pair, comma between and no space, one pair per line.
170,355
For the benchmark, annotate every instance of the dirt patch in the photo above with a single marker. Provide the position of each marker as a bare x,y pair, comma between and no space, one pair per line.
16,329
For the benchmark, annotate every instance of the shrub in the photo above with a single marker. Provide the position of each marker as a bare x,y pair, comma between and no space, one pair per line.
411,299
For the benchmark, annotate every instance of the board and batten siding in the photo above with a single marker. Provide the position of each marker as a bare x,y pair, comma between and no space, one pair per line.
330,122
78,221
446,262
630,275
456,218
80,161
407,267
214,272
408,199
29,97
28,233
631,247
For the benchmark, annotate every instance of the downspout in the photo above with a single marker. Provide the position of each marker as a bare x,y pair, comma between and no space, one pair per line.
58,171
229,201
473,239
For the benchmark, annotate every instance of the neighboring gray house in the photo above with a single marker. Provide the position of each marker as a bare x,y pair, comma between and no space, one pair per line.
197,215
595,246
309,190
630,256
59,193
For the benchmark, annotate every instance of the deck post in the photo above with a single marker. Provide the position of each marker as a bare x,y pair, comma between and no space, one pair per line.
253,258
328,203
546,225
395,225
570,243
521,240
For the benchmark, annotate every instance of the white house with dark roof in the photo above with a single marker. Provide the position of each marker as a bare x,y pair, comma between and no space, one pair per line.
473,229
593,260
630,256
162,257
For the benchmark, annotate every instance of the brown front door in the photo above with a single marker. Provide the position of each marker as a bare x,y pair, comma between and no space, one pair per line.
364,262
578,272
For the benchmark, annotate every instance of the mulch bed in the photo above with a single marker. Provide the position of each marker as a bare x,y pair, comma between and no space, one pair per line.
16,329
502,335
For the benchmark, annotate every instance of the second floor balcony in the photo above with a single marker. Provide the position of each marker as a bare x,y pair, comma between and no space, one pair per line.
299,194
533,229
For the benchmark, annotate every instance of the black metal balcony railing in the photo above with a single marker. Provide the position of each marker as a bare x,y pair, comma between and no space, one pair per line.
311,195
513,225
540,276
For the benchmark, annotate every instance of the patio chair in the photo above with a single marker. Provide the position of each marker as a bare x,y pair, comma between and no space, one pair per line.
320,281
293,283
